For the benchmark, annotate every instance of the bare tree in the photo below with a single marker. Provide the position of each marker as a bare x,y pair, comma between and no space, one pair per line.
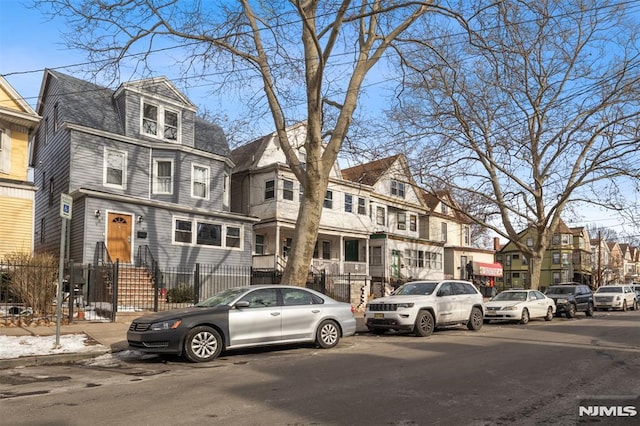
532,107
310,58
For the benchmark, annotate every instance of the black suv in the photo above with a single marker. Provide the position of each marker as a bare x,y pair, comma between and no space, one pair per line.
570,298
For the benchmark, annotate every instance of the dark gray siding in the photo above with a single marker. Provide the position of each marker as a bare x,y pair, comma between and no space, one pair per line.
76,234
51,169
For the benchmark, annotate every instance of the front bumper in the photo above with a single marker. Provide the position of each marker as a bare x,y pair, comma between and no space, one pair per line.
502,315
389,320
160,342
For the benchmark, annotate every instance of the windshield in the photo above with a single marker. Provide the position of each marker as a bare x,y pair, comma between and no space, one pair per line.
609,289
518,296
222,298
559,290
416,288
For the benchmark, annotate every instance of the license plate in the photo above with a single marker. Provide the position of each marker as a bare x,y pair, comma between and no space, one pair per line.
489,313
378,316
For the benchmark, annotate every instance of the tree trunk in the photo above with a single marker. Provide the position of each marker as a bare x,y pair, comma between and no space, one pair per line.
306,234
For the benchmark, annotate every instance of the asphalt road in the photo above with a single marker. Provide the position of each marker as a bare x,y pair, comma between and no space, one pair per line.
504,374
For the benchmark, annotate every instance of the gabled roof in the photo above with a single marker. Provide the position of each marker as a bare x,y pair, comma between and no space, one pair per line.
20,112
245,156
90,105
369,173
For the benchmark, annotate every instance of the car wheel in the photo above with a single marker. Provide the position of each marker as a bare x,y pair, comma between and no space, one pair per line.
425,324
525,316
624,306
571,311
328,334
549,315
202,344
475,319
589,310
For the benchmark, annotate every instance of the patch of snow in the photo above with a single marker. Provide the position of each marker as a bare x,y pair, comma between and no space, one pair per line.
20,346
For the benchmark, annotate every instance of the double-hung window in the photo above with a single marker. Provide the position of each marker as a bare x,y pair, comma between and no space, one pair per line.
199,181
402,220
362,207
287,189
397,188
348,203
115,167
380,216
162,176
5,152
328,200
269,190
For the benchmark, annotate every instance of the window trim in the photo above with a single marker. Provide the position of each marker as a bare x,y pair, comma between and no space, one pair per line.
328,200
155,184
287,193
160,121
5,150
224,227
105,174
207,181
397,188
269,189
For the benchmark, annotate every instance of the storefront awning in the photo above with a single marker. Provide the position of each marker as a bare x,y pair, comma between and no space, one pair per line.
489,269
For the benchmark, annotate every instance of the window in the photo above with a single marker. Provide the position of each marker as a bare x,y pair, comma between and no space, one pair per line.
375,257
466,235
183,233
326,250
300,193
226,193
529,242
209,234
294,297
328,200
269,190
259,244
556,258
444,209
556,277
362,209
233,237
380,219
51,187
348,203
351,250
56,123
525,260
443,232
555,240
421,259
160,122
565,259
413,222
402,220
162,176
516,256
115,164
302,156
263,298
45,131
287,189
565,239
286,247
508,260
199,181
397,188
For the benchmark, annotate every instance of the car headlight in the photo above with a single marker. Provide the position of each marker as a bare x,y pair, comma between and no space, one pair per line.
509,308
562,300
405,305
166,325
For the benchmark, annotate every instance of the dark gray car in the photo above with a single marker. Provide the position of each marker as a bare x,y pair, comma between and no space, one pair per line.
571,298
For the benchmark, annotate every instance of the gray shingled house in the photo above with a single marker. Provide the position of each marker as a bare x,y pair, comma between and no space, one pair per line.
147,176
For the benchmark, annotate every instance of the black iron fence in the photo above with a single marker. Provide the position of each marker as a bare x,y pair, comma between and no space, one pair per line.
103,291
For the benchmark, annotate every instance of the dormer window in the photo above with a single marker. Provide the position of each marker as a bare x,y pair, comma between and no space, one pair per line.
159,122
397,188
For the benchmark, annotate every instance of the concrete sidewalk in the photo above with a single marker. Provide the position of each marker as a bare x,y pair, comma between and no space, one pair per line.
111,336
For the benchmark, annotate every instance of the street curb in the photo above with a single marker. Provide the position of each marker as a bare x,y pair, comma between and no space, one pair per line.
37,360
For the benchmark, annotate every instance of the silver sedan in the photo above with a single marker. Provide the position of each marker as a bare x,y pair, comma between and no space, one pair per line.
244,317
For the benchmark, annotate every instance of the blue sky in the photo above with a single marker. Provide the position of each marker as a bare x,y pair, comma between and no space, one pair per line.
29,43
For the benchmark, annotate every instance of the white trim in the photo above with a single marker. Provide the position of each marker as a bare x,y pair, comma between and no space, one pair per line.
194,233
160,120
154,177
5,150
123,184
207,178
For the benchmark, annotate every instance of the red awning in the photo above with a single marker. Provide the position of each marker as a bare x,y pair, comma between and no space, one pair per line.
489,269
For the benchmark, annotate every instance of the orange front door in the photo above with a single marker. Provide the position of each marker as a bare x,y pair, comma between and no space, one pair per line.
119,237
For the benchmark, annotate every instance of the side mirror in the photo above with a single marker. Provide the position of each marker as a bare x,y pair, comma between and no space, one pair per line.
242,304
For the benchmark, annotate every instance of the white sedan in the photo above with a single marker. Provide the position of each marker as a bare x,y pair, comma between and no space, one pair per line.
519,305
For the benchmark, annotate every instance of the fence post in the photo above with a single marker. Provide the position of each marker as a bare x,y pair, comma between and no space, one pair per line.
72,286
196,284
114,307
323,282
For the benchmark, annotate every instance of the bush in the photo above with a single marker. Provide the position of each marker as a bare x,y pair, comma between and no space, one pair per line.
31,280
181,294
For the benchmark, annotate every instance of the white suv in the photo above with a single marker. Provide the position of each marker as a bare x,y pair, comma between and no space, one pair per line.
621,297
421,306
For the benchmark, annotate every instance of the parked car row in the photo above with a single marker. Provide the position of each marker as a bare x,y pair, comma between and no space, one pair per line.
278,314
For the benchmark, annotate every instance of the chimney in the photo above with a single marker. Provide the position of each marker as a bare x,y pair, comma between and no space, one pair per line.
496,243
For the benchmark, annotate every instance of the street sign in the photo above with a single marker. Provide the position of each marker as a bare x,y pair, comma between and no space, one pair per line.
65,206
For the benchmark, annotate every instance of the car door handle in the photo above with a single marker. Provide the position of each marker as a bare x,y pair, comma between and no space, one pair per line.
275,314
315,311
